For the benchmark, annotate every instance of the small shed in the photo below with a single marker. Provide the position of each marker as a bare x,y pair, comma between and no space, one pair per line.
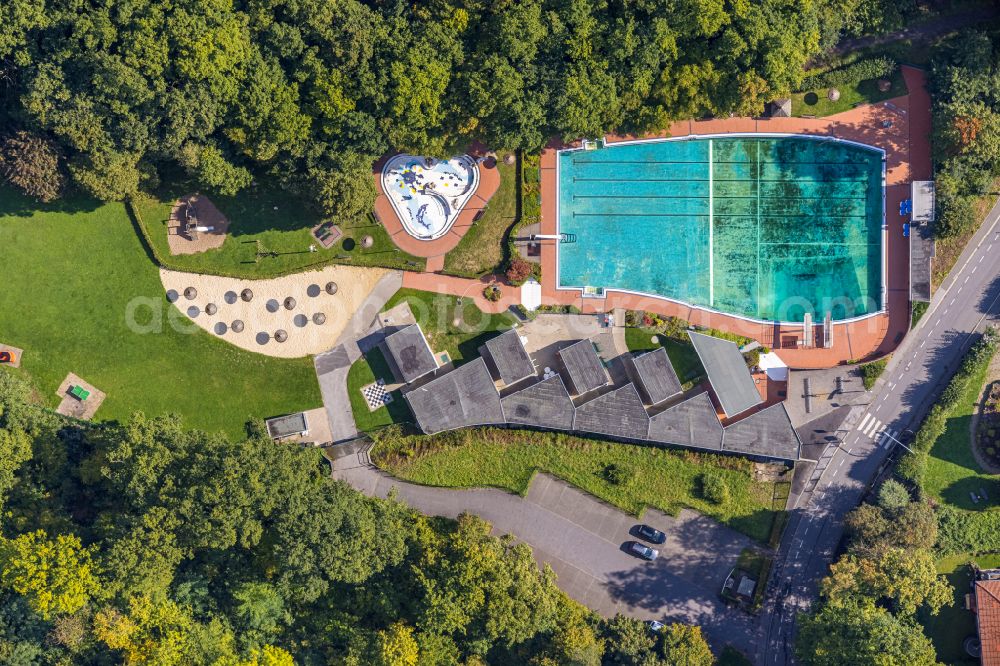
292,425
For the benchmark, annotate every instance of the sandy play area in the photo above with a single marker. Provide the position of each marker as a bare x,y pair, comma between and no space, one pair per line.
296,308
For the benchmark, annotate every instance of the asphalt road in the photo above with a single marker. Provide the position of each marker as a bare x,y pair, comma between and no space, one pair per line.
585,542
967,302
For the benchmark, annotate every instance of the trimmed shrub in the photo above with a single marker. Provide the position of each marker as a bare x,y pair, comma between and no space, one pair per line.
519,271
714,488
862,70
870,372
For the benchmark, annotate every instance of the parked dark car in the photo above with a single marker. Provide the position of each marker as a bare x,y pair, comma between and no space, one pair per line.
643,551
650,534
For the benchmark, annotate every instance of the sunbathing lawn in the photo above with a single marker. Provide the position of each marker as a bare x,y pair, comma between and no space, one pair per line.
481,250
68,274
459,329
682,355
953,623
952,471
285,231
665,479
861,92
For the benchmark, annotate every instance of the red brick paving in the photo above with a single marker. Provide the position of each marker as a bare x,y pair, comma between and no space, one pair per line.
907,148
489,182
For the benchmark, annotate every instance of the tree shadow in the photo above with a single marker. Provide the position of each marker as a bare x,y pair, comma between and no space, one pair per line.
15,204
961,492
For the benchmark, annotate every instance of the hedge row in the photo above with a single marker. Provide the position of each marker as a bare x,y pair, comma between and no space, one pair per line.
914,465
862,70
967,531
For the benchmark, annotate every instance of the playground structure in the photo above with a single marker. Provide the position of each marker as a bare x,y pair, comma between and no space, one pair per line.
195,225
427,194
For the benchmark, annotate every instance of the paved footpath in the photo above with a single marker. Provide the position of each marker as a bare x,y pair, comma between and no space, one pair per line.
583,540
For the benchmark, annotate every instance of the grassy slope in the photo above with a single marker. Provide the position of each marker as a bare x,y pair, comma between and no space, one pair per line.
68,274
665,479
682,355
953,623
862,92
481,249
952,471
286,231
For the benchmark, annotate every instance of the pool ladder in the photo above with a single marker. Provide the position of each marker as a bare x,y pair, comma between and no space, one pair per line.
562,238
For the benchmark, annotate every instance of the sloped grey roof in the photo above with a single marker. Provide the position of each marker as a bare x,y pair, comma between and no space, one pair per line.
509,357
655,376
544,404
410,353
768,432
618,413
584,367
693,422
466,396
727,373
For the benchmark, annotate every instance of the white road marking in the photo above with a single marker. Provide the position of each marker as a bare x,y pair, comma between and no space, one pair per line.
872,427
864,422
922,343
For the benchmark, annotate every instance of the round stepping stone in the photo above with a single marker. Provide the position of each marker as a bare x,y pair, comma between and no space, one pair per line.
172,296
193,311
331,288
246,295
211,309
220,328
190,293
367,242
230,297
301,320
280,335
272,305
237,326
289,303
319,318
313,290
263,338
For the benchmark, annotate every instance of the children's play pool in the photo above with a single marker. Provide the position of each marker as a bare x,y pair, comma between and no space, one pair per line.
428,194
763,227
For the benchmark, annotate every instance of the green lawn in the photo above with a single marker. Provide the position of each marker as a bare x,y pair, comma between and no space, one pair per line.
257,226
364,372
862,92
481,250
68,275
458,328
682,355
953,623
952,471
661,478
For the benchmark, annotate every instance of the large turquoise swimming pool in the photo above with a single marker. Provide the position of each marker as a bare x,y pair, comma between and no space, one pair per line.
762,227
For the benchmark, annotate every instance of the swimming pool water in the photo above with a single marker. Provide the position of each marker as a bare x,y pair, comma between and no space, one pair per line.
762,227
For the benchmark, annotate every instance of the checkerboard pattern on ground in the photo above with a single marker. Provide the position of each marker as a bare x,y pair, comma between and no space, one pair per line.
376,396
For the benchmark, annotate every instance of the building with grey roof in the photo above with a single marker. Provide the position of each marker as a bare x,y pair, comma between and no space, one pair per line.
507,357
727,373
292,425
693,422
654,376
410,354
544,404
767,433
584,368
466,396
618,413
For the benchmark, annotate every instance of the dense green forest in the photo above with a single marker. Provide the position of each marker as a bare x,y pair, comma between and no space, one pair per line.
112,94
965,86
144,543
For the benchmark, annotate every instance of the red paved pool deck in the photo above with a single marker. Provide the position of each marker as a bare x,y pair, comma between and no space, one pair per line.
434,250
907,147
